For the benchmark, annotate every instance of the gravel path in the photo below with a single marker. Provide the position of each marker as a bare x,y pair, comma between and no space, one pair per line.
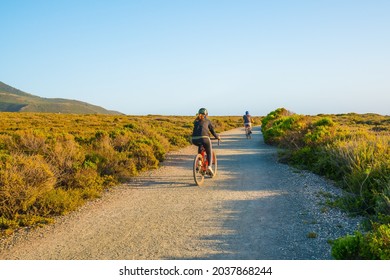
255,208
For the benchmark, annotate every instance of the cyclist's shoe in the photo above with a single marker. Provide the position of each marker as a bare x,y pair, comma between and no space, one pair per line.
210,171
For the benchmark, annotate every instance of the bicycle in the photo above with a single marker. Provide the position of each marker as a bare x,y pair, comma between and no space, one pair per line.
200,166
248,132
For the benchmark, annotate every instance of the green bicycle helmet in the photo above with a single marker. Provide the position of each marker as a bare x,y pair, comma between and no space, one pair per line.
203,111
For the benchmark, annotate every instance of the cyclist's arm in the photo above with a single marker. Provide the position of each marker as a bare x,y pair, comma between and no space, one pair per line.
211,128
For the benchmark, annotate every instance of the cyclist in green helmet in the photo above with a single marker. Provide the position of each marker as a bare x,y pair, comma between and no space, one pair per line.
201,134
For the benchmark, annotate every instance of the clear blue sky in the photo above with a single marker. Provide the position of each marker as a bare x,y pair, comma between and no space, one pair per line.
173,57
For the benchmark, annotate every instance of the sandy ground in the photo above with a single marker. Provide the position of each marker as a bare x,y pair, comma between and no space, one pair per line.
255,208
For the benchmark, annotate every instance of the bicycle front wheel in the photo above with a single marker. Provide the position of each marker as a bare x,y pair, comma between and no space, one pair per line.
197,171
214,165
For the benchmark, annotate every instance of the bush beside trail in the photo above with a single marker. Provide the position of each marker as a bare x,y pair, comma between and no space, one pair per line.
51,164
354,151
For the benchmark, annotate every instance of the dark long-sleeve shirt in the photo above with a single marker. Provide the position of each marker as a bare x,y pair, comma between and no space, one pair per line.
203,128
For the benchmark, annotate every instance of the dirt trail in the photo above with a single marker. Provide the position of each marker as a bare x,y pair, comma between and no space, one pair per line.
255,208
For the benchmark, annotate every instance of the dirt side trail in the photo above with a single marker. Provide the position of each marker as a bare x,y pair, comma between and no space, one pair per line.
255,208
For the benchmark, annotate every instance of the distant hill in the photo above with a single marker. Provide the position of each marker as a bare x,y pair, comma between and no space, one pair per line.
15,100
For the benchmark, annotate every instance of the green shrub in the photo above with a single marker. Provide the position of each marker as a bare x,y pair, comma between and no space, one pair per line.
58,202
280,131
88,179
320,132
382,200
348,247
143,156
303,157
350,152
365,167
374,245
268,121
358,159
325,121
379,243
7,225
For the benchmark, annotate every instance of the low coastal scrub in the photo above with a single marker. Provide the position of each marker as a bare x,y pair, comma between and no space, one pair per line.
375,245
354,151
51,164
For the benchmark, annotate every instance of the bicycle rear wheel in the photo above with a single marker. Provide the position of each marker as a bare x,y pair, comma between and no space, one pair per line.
248,132
197,170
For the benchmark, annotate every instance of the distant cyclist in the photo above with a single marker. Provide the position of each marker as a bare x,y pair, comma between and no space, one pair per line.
201,135
248,121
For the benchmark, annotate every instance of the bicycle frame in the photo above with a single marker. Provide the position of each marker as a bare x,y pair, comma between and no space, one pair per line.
205,162
248,131
201,164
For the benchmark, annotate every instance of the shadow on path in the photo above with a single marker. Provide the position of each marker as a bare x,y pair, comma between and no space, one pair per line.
260,212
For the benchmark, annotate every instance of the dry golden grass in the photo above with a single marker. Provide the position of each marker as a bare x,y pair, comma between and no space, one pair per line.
51,163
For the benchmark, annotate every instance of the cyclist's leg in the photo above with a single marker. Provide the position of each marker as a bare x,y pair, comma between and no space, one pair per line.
209,149
198,143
